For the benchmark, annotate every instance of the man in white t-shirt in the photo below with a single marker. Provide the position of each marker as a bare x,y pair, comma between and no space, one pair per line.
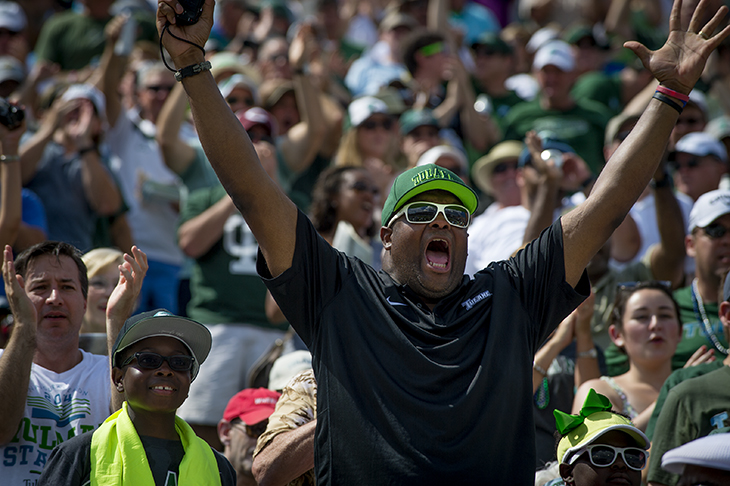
51,390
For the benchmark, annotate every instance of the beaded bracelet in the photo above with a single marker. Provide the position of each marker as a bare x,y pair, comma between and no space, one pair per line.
668,101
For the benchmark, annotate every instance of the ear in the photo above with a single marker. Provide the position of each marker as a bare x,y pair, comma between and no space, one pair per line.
118,379
615,335
224,432
689,244
386,236
725,317
566,472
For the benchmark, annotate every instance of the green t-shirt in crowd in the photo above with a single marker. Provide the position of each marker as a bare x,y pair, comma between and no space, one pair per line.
582,127
73,40
693,409
224,285
693,335
600,87
677,377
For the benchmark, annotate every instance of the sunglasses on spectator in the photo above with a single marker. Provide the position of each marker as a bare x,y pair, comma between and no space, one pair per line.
8,32
158,87
232,100
424,212
386,124
152,361
715,230
361,186
254,431
504,167
603,455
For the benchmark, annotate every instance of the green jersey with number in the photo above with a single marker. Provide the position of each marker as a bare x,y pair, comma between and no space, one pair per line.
224,285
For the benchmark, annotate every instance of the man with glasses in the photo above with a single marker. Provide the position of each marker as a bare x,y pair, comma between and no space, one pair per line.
691,404
419,132
439,390
699,161
577,122
244,420
493,64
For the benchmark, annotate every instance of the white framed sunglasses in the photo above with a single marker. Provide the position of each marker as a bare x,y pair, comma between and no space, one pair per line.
603,455
424,212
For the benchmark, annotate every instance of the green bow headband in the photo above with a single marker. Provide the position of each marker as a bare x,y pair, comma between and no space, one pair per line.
593,403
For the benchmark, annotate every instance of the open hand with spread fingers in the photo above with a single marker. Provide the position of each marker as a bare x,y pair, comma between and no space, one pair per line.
678,64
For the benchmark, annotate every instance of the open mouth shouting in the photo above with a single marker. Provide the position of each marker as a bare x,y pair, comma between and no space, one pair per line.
438,255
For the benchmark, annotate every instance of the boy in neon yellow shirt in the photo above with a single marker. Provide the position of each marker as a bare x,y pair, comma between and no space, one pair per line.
155,358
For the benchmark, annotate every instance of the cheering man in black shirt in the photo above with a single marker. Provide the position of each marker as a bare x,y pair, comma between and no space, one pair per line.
424,376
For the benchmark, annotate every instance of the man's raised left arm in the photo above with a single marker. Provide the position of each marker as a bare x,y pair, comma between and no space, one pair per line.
677,65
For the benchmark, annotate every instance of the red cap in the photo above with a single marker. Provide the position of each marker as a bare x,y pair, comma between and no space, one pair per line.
251,405
257,116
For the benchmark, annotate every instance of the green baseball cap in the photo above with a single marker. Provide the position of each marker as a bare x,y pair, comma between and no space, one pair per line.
424,178
412,119
494,42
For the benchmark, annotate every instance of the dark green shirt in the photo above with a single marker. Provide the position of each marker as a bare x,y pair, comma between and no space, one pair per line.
224,285
581,127
73,40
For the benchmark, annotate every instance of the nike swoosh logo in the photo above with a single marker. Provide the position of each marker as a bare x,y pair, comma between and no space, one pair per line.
394,303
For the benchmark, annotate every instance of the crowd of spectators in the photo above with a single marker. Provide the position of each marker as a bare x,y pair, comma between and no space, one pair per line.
524,100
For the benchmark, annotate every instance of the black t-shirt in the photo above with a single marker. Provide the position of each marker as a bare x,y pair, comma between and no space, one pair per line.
410,396
70,463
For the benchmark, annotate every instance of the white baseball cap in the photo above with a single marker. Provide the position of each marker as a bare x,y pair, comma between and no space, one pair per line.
431,155
287,367
12,17
708,207
362,108
91,93
712,451
540,38
556,53
239,81
701,144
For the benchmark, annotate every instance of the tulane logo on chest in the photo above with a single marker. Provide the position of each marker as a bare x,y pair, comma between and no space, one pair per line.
468,304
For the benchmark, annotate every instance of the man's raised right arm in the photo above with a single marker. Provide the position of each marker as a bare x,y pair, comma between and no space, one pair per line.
17,358
268,212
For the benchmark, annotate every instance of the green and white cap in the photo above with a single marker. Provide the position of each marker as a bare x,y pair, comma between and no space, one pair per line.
424,178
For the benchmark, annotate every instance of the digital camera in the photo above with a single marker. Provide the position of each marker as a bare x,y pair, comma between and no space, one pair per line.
191,12
10,115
